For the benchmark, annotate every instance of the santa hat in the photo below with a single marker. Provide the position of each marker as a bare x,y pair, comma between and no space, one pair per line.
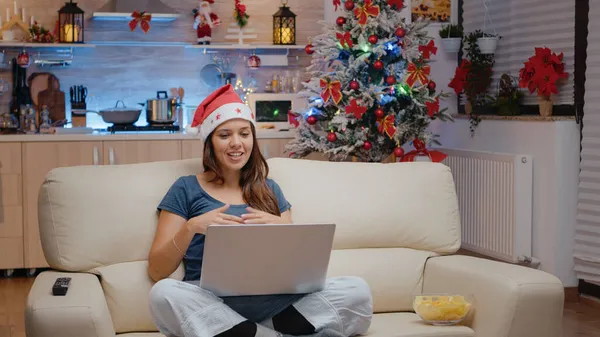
220,106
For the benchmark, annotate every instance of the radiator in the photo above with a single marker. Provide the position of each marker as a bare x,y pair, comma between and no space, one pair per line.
495,196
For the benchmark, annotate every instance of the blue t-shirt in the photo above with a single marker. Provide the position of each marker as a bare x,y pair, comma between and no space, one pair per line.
188,199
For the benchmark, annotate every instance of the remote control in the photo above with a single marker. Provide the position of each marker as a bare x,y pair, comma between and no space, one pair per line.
61,285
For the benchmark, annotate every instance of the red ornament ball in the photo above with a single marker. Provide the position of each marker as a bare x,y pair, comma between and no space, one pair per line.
419,144
379,113
349,5
390,80
378,65
373,39
312,120
340,21
431,85
398,152
308,49
354,85
331,137
400,32
367,145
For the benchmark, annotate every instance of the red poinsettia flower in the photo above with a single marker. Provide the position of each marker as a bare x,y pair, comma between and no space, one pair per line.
542,71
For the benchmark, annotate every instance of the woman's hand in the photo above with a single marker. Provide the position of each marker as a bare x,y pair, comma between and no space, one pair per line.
255,216
217,216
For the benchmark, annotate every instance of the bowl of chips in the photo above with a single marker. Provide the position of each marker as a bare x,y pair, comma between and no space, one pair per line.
442,309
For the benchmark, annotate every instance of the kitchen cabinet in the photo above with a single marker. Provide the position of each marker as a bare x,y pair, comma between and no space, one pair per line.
38,159
11,207
140,151
272,147
191,149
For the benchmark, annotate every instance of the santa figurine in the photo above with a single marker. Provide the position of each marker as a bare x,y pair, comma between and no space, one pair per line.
204,21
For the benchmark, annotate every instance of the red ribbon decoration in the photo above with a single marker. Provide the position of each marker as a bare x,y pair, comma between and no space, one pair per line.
387,126
344,39
355,109
433,107
142,18
362,12
428,49
415,74
398,3
336,3
331,89
435,155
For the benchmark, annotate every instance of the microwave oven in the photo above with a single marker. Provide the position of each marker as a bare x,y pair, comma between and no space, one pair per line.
271,109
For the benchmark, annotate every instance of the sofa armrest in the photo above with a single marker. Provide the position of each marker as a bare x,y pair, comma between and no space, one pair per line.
82,312
510,300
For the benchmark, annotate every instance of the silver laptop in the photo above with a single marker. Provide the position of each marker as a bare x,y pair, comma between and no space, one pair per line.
266,259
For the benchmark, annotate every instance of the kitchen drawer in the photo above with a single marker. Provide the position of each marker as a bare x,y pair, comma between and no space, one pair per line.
11,190
11,221
10,158
11,253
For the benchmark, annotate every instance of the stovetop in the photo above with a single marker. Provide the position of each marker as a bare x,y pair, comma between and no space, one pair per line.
144,128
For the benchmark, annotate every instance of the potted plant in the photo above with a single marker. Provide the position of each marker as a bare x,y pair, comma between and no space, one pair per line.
509,96
451,37
487,43
541,73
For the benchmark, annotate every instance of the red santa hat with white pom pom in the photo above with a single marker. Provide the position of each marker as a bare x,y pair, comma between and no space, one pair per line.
220,106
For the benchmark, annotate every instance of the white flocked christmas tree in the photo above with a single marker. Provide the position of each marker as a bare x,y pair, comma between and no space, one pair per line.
370,91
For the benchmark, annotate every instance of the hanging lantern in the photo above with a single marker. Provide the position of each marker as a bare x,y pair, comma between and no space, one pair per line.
284,25
70,23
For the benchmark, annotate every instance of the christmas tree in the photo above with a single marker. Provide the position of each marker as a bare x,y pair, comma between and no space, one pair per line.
370,91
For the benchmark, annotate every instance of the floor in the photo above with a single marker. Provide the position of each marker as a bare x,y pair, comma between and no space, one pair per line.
581,317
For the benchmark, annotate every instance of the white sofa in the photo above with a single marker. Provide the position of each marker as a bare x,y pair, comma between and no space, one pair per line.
398,226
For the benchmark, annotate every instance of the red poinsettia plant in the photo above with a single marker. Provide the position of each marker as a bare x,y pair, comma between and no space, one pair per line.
542,72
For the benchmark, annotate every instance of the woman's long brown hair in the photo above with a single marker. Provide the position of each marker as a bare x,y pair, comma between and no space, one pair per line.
253,178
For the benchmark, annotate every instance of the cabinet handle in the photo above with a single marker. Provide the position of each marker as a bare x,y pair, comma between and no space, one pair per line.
266,151
111,156
96,155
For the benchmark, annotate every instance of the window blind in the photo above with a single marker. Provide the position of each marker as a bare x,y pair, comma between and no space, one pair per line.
587,230
524,25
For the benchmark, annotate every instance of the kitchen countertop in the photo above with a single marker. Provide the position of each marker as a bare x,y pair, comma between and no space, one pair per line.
107,136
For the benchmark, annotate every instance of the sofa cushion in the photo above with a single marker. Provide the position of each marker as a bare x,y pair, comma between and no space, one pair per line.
126,287
410,325
92,216
394,275
374,205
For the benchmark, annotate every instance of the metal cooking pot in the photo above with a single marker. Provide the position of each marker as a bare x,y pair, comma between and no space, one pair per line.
118,115
161,110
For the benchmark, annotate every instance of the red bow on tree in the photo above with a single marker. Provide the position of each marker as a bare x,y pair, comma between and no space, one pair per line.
345,39
331,89
398,3
355,109
433,107
387,126
336,3
417,73
435,155
428,49
363,12
142,18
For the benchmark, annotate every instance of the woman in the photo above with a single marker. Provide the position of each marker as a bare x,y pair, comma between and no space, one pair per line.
234,190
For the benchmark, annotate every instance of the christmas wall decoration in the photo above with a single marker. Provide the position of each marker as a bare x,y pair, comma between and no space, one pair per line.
370,91
140,18
204,21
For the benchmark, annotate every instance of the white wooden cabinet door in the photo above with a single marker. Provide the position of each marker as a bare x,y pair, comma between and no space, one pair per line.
38,159
11,206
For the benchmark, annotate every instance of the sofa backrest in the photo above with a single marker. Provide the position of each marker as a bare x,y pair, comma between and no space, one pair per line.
92,216
374,205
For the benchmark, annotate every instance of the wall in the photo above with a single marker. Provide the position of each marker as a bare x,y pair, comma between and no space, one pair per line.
554,147
134,74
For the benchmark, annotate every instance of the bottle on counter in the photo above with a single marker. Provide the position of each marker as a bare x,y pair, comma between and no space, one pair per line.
45,126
